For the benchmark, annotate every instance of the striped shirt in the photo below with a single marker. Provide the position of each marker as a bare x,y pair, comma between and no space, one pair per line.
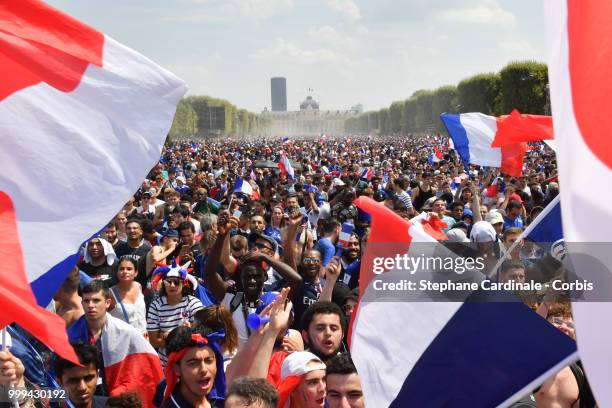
164,317
404,197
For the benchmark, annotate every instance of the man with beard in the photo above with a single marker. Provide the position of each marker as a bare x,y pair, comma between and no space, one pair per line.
252,272
136,247
110,234
323,329
350,262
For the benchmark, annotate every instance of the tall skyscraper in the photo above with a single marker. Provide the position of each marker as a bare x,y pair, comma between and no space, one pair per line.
279,94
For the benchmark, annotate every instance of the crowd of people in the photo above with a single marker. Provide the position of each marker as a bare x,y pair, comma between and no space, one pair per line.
227,269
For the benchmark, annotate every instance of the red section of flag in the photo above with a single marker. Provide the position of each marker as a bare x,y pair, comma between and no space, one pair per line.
439,154
138,372
589,26
517,127
388,237
17,302
41,44
512,158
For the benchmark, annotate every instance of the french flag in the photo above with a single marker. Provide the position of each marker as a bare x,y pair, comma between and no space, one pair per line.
472,135
443,345
547,227
130,362
243,187
286,139
285,167
83,118
579,61
367,174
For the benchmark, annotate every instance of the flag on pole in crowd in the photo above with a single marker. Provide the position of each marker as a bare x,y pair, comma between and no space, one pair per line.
442,331
243,187
83,119
473,133
213,204
579,60
285,167
130,362
436,156
547,227
518,127
366,174
285,139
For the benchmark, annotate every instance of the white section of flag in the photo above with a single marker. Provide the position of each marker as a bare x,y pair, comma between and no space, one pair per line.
102,139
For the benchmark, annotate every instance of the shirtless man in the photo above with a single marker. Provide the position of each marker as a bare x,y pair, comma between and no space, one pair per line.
67,301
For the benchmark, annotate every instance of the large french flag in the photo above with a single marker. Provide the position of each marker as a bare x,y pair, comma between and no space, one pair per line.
472,135
547,227
130,362
83,119
427,352
579,61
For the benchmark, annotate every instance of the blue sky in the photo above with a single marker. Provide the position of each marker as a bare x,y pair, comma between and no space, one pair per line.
349,51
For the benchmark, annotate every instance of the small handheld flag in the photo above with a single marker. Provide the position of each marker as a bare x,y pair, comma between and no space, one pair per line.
345,235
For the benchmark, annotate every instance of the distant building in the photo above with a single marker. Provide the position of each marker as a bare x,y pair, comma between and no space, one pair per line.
279,94
308,121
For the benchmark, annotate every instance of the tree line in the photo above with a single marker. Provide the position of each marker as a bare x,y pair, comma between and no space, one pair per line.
205,116
522,85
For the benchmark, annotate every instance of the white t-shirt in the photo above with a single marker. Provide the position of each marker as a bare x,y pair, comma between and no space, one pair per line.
238,316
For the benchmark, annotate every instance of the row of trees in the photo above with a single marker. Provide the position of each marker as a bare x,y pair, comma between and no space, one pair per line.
521,85
206,116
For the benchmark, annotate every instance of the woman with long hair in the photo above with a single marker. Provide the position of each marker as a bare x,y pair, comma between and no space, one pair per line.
127,296
217,317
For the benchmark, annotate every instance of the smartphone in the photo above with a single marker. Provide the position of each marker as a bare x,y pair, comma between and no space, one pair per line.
237,213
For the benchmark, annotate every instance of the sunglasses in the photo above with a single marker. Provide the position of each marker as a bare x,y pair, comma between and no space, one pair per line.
308,261
262,246
173,282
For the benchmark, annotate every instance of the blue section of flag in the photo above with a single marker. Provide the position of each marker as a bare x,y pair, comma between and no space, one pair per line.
310,188
459,135
48,283
548,227
482,357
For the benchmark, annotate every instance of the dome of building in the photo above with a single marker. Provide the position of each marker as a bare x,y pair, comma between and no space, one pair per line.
309,103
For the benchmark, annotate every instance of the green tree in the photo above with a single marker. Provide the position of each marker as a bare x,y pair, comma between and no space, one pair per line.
444,99
523,87
479,93
185,120
424,118
395,116
383,117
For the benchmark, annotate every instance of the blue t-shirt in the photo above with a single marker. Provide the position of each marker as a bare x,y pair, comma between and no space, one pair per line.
327,250
517,222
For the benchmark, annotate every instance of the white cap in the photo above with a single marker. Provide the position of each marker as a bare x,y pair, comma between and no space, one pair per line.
494,217
337,182
482,232
300,363
457,235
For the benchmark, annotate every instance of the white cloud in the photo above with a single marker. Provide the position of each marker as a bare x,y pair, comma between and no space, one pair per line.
347,7
261,8
487,12
284,49
328,35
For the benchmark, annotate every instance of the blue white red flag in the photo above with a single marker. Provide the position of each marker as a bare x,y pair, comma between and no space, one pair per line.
285,167
435,361
243,187
472,135
83,119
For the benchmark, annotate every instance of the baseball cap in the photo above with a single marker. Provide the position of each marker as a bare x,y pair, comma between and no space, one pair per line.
172,233
254,236
146,194
429,203
483,232
337,182
300,363
515,197
457,235
152,191
494,217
